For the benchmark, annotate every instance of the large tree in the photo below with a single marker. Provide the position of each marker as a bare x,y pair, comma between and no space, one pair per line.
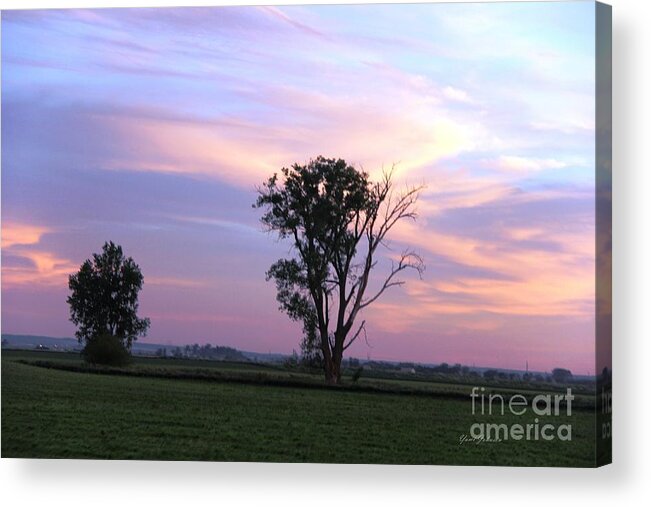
336,219
104,298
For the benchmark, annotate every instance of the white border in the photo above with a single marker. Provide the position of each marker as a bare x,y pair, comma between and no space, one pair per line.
103,483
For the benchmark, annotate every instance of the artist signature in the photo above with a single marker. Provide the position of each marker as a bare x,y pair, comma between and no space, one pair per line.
467,439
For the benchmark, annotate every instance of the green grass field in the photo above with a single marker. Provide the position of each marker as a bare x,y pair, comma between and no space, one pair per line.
51,413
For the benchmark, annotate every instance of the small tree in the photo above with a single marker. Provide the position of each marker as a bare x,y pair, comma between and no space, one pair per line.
336,219
561,375
106,349
104,299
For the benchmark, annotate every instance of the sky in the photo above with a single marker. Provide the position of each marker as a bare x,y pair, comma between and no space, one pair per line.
153,127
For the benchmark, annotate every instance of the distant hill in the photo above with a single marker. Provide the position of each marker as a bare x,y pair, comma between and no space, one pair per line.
23,341
214,352
221,353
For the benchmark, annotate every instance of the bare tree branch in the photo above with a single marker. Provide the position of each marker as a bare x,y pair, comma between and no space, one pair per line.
361,328
408,260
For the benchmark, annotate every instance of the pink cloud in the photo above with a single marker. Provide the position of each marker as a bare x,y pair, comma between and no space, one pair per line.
36,267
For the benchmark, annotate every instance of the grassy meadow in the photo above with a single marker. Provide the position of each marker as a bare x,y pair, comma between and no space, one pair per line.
54,406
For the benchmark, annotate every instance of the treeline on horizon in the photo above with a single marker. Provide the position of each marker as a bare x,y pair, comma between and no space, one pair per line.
296,361
207,351
556,376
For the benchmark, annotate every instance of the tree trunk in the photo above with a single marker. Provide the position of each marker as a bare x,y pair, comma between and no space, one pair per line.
332,368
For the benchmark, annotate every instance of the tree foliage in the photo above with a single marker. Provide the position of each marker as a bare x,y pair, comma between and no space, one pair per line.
336,219
104,297
106,349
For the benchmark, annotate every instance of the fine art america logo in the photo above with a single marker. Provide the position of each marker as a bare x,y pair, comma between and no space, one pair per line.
497,406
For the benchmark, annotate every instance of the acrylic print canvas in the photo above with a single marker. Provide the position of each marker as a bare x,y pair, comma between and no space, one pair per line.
312,233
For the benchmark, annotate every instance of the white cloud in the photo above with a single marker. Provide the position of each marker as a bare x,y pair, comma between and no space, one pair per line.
524,164
457,95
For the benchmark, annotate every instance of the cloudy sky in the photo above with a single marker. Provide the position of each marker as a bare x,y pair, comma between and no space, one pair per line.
152,128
